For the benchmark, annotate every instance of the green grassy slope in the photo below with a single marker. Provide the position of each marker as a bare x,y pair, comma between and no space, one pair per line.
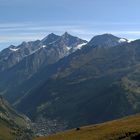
124,129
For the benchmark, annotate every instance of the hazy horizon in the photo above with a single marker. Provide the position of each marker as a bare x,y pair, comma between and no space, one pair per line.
31,20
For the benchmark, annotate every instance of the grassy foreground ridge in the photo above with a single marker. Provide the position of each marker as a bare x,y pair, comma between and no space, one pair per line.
127,128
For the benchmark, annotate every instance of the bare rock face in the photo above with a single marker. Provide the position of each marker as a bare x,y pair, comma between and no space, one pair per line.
20,63
53,47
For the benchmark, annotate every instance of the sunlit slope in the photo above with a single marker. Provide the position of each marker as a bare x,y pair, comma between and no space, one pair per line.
125,129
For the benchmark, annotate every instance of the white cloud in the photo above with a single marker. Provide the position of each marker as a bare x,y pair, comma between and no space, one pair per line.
24,37
18,32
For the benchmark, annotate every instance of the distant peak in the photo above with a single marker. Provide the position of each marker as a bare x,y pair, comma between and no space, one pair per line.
106,35
66,34
106,40
66,37
50,38
51,35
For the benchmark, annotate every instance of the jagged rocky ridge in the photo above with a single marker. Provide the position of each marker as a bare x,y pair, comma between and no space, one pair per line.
52,48
29,57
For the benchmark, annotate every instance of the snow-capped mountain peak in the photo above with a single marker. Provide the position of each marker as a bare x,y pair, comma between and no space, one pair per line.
14,49
81,45
122,40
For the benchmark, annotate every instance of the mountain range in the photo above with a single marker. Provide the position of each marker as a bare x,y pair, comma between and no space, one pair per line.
70,82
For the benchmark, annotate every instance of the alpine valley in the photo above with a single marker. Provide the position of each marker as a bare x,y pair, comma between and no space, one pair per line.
64,82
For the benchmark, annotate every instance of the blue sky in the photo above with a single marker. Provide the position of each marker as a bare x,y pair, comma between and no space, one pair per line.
24,20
